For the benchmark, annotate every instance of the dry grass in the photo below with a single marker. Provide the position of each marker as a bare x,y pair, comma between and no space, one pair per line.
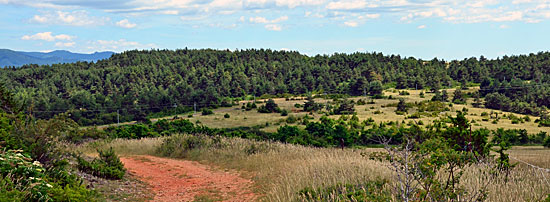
281,170
240,117
145,146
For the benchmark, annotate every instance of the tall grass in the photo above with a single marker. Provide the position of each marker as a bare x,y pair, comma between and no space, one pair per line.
281,170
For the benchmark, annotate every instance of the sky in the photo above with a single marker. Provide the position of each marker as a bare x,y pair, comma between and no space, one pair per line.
447,29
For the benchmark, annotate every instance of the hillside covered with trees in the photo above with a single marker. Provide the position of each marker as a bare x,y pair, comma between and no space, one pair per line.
137,83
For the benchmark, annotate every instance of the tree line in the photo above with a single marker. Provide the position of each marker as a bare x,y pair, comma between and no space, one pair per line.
134,84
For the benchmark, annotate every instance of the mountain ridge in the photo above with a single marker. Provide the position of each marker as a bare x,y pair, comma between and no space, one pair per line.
11,58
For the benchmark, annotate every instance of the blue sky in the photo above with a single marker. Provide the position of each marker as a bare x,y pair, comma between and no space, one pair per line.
449,29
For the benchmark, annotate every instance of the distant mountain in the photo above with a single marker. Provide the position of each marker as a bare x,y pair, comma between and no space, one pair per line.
19,58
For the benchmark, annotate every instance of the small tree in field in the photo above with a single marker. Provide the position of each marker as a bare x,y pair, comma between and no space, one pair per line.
428,165
269,107
401,105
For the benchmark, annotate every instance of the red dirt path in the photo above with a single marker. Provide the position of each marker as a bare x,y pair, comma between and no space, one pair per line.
180,180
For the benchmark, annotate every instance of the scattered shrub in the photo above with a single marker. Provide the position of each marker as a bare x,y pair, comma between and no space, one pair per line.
226,115
206,111
546,142
108,165
404,92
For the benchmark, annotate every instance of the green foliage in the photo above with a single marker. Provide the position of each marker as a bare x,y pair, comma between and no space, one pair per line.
429,165
269,107
345,107
147,82
206,111
544,122
404,92
401,106
284,112
310,105
226,115
547,142
369,191
22,179
180,145
7,102
458,97
108,165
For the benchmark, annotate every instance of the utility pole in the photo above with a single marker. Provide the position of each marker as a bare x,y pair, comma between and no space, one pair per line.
117,118
195,107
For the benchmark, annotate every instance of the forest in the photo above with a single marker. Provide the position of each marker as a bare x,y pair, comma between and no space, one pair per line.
133,85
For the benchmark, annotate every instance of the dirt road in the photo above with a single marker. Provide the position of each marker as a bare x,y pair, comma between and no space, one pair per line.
180,180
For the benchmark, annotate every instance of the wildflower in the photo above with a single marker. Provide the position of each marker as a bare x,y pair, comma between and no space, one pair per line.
49,185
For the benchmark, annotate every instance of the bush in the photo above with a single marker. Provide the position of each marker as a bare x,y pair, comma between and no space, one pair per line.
108,165
291,119
284,112
546,142
206,111
544,123
226,115
22,179
179,145
269,107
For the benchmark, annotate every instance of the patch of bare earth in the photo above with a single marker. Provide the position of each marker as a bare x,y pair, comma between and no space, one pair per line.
181,180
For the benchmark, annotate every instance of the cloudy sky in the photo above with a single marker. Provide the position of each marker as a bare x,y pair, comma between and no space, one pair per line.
450,29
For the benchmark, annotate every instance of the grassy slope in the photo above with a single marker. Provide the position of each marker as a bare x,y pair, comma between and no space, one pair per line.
239,117
280,170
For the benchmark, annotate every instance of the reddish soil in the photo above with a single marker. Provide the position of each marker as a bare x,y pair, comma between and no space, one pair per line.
180,180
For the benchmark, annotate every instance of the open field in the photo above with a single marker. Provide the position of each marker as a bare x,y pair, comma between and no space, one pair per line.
280,170
239,117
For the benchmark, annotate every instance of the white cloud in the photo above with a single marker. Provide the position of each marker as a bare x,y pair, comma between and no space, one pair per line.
296,3
349,5
75,18
118,45
64,44
204,12
262,20
503,26
47,36
273,27
369,16
421,26
125,24
351,24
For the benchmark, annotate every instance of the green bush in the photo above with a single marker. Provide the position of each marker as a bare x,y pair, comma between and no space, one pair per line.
544,123
179,145
404,92
226,115
284,112
22,179
546,142
291,119
206,111
108,165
